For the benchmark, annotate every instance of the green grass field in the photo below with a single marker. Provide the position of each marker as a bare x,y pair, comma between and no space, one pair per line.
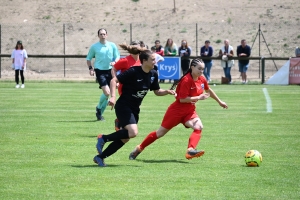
48,134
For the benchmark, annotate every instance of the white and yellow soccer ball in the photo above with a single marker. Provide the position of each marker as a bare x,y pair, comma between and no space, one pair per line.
253,158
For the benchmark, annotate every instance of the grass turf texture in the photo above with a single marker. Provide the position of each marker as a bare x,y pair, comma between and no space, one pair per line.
48,135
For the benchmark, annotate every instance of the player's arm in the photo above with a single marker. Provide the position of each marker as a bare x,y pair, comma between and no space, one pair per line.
116,54
215,97
161,92
89,57
91,69
113,72
113,84
195,98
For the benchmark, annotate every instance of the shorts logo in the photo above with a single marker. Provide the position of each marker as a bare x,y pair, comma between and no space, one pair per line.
139,80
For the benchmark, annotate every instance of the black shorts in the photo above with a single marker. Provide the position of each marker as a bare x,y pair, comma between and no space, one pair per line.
126,115
103,77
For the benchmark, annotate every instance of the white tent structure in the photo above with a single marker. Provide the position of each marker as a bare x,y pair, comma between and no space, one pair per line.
281,77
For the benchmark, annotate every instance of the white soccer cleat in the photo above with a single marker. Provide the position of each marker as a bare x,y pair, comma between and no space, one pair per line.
17,86
22,86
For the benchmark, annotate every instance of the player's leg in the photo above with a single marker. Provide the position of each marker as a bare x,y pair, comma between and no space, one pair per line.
103,100
195,123
22,78
128,120
171,119
17,78
149,139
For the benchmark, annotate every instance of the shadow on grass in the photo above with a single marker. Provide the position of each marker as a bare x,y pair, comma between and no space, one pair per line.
163,161
89,136
70,121
107,166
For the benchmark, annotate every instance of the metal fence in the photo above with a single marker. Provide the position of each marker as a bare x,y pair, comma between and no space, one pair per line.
268,40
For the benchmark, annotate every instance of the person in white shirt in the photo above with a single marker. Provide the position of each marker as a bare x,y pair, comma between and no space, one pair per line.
19,56
226,53
158,58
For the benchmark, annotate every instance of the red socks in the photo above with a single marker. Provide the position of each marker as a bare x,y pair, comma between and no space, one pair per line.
148,140
194,139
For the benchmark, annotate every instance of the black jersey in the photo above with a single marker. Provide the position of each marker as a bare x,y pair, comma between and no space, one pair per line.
136,84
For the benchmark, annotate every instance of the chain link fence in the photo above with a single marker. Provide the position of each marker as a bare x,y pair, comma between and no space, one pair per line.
272,39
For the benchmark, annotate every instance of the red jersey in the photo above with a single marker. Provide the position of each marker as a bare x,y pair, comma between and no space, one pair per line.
123,64
182,112
187,87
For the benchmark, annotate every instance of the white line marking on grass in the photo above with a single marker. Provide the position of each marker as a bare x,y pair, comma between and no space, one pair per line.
268,99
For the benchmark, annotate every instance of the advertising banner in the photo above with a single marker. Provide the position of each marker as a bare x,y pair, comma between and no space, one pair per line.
170,68
294,72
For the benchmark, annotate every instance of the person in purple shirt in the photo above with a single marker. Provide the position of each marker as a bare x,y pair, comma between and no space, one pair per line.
207,51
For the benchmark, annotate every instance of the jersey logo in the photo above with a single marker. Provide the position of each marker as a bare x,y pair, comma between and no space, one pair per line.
202,85
139,80
140,94
193,88
152,79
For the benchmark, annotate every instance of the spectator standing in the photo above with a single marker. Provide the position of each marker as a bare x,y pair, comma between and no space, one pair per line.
297,52
184,52
243,50
170,49
226,53
160,51
19,56
158,58
158,48
207,51
106,54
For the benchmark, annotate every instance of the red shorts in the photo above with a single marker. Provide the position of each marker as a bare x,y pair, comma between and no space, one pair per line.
178,113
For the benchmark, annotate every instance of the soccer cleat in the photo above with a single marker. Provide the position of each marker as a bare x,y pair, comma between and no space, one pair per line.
22,86
135,153
98,114
194,153
100,162
100,144
117,125
17,86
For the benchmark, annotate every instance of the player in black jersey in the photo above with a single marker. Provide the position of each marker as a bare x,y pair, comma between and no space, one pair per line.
137,81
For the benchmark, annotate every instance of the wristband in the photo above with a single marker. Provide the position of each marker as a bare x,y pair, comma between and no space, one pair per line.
90,67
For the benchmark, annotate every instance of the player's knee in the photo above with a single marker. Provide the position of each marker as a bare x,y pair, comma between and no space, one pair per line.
198,127
133,133
125,140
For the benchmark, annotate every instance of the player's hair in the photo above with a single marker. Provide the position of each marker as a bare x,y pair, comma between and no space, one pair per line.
135,42
143,52
167,44
194,63
101,29
22,47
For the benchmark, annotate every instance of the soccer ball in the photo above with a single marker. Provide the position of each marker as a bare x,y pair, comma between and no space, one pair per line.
224,57
253,158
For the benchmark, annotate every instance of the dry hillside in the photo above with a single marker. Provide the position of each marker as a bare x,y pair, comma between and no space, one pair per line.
40,25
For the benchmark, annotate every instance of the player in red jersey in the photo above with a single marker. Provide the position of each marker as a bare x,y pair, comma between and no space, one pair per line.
122,65
125,63
190,89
